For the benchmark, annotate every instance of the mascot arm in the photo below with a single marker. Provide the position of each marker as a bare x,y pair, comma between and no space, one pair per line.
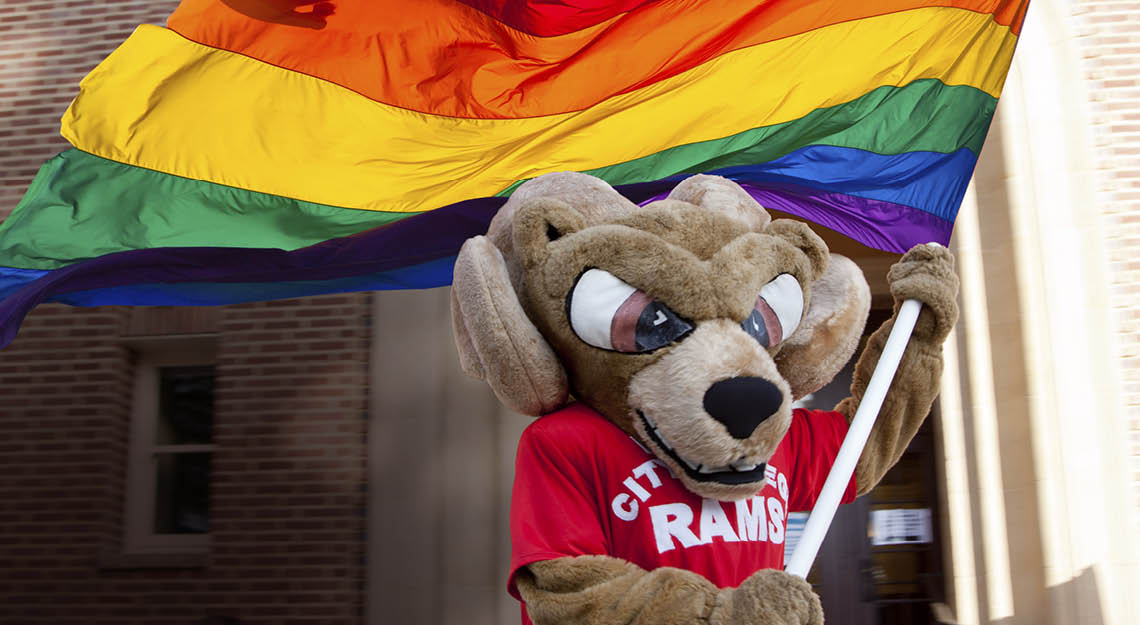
602,590
925,273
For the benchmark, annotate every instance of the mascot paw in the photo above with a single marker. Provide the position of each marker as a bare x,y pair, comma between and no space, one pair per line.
926,273
770,597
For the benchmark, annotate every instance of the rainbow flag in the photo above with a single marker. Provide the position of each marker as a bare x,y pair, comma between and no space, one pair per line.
263,149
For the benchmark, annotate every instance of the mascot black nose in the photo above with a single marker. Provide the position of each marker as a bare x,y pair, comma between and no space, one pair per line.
742,403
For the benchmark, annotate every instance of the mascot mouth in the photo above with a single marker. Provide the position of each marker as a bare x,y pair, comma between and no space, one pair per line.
730,474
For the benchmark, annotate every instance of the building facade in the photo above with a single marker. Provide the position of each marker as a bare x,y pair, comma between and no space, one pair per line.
1040,463
324,460
254,511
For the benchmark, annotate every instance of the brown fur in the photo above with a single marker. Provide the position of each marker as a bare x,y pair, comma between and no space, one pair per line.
593,199
600,590
840,302
925,273
705,190
496,340
705,252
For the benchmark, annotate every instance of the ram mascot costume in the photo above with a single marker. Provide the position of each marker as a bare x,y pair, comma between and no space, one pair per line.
663,346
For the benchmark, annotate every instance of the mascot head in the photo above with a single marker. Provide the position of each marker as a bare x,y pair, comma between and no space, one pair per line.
692,322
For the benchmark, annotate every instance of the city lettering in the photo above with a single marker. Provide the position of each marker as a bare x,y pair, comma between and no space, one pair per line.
758,519
624,506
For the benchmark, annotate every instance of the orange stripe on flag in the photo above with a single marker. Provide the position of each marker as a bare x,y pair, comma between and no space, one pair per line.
467,64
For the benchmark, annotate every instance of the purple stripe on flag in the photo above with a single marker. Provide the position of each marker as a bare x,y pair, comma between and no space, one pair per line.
406,243
882,225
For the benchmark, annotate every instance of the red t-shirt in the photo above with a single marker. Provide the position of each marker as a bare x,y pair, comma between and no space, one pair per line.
585,487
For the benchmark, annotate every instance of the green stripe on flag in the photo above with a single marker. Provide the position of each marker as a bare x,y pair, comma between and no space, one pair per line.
81,206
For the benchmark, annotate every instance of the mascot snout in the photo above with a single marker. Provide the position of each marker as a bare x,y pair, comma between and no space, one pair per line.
713,409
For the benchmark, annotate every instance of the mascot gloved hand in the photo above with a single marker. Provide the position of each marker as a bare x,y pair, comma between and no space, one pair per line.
685,329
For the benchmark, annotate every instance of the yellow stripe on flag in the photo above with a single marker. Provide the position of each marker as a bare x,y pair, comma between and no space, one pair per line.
171,105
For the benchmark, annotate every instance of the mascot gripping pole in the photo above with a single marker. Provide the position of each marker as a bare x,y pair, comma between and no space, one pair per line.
853,444
684,329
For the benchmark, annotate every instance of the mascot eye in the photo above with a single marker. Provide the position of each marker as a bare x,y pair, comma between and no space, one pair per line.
608,313
777,312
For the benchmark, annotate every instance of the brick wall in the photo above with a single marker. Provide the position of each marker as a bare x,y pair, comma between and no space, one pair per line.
288,496
287,492
63,411
46,47
1109,36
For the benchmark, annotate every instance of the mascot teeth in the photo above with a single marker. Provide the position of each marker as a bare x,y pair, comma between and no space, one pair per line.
652,427
743,465
740,466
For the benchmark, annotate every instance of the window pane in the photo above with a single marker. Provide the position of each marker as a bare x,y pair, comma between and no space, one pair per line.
182,494
186,405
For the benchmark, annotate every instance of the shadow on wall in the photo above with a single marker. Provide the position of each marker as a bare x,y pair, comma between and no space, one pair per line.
1075,601
304,13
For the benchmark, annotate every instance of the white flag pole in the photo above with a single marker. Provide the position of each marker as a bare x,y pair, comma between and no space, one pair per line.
857,434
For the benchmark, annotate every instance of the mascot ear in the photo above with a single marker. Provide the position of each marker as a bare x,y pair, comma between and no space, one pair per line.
592,199
539,222
497,342
830,330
